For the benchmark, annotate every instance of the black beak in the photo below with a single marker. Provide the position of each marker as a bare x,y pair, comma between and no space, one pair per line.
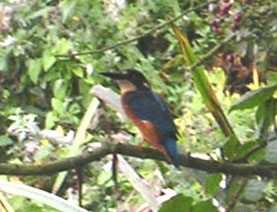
115,76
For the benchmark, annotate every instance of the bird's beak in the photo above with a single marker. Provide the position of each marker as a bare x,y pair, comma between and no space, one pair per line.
115,76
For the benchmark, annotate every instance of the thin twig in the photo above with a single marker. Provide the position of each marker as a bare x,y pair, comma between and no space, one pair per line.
211,52
236,196
160,26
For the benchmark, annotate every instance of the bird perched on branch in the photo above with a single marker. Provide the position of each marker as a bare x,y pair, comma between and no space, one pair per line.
147,111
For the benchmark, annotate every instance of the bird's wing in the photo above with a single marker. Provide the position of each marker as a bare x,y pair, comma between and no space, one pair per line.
148,106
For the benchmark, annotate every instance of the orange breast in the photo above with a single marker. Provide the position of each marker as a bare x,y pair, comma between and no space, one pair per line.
147,129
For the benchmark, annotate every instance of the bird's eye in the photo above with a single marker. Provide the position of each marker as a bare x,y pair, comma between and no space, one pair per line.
145,84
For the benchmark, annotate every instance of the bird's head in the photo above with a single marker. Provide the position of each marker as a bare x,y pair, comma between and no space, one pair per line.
129,80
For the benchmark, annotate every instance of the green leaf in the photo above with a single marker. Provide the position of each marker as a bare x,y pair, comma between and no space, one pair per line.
50,120
204,206
254,190
212,183
43,152
57,105
52,76
62,46
272,78
40,196
203,85
247,147
231,146
48,60
265,115
67,9
42,12
257,155
177,203
5,140
271,152
104,177
60,88
232,189
79,72
6,94
254,98
74,108
260,114
34,69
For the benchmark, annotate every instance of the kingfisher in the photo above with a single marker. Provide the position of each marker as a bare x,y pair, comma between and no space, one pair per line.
146,110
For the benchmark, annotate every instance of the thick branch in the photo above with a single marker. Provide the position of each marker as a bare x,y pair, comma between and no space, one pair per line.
133,151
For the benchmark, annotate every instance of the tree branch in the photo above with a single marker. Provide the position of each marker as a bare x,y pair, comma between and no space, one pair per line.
210,166
160,26
236,194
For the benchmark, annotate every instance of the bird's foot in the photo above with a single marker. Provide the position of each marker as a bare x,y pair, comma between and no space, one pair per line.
139,145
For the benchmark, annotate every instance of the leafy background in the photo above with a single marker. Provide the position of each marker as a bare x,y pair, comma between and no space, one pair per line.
51,54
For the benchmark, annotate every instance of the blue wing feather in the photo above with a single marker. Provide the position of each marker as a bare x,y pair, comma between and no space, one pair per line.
148,106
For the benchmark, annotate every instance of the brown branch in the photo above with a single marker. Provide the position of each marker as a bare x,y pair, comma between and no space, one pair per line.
160,26
210,166
235,198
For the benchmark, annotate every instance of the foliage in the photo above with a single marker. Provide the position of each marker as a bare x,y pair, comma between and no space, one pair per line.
52,52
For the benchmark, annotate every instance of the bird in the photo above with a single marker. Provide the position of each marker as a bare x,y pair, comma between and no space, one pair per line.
147,111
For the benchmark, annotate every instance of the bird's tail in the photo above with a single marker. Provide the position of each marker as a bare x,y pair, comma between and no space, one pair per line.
171,148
